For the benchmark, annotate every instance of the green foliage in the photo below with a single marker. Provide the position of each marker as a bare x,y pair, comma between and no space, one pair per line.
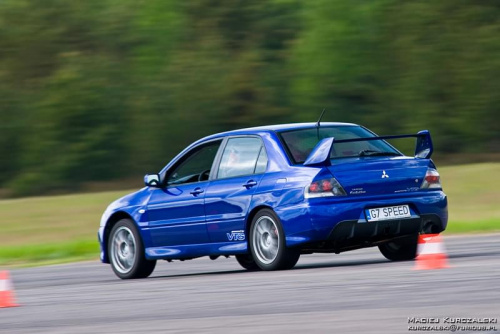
49,253
107,89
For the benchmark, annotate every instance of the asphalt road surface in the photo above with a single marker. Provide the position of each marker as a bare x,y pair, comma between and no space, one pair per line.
354,292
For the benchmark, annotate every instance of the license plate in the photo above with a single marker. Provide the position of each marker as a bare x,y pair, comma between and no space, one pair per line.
387,213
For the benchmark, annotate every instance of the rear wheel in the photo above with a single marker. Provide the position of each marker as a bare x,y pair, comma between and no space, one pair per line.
403,249
126,252
267,243
247,262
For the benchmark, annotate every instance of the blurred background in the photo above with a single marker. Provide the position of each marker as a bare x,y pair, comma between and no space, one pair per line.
96,93
109,90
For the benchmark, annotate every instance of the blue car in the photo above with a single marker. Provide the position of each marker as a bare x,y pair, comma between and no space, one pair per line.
269,194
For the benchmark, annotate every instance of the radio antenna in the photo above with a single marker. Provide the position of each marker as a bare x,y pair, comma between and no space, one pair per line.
318,124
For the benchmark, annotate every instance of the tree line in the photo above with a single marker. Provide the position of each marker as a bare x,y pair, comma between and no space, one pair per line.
103,89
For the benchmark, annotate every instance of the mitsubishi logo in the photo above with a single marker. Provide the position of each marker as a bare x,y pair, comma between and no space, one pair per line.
384,175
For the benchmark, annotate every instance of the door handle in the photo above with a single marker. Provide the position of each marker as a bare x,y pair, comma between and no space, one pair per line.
196,191
250,184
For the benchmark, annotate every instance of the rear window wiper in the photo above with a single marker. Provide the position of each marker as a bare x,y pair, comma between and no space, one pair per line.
364,153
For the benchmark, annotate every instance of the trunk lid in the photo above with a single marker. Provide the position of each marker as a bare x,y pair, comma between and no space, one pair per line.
379,175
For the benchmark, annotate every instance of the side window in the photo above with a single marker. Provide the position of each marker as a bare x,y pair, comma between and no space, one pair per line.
241,157
195,165
261,165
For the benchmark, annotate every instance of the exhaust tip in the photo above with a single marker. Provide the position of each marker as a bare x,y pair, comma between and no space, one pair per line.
431,228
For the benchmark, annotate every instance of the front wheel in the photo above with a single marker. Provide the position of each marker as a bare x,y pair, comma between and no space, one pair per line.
267,243
126,252
402,249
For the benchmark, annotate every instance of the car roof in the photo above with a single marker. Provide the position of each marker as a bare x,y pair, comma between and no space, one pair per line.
272,128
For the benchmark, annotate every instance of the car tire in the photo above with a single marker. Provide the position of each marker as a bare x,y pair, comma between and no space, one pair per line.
126,252
247,262
403,249
267,243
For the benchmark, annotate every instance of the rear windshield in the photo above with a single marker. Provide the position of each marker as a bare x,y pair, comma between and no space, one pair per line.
300,143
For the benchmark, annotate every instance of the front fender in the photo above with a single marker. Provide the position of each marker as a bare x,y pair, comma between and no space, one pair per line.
129,206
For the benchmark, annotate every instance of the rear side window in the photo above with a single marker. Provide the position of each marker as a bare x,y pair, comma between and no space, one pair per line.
261,165
242,156
300,143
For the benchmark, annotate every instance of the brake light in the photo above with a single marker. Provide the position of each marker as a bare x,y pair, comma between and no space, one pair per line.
314,187
326,185
324,188
431,180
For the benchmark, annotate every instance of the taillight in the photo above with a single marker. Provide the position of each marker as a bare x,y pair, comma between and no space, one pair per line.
431,180
324,188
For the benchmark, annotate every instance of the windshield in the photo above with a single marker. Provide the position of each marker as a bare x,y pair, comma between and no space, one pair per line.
300,143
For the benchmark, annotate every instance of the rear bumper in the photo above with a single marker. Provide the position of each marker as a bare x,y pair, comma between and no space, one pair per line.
341,222
348,235
348,230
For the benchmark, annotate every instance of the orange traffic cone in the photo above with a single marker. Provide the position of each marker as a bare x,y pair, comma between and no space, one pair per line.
6,293
431,253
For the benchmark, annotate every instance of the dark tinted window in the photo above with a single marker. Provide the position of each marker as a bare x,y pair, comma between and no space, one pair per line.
301,142
240,157
197,161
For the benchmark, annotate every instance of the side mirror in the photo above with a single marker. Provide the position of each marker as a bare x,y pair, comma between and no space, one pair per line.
152,180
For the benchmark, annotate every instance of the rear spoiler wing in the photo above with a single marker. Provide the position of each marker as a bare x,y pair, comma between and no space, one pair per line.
320,155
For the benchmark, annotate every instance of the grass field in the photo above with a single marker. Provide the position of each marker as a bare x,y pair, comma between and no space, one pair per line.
64,228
